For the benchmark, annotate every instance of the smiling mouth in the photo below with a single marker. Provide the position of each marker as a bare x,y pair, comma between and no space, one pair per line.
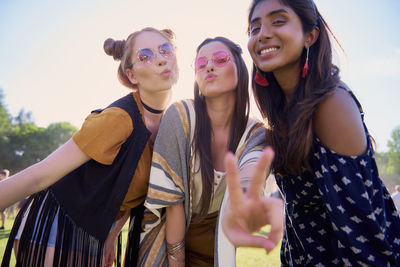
268,50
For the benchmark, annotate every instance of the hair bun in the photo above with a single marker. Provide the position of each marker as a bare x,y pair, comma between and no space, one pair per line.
169,33
114,48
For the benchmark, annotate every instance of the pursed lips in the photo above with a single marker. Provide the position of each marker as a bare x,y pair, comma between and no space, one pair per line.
210,77
165,73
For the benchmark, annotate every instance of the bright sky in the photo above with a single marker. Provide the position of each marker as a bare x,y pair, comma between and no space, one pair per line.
52,61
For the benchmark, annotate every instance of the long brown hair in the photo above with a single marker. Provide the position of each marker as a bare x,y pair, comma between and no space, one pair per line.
202,132
122,50
291,124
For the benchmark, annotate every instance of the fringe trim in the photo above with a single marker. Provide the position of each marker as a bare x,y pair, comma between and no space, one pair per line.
73,247
7,253
132,247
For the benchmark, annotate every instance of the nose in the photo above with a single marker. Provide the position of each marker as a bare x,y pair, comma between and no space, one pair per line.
210,66
160,60
265,33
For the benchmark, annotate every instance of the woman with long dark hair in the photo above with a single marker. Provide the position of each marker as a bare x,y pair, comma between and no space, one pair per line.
338,211
187,182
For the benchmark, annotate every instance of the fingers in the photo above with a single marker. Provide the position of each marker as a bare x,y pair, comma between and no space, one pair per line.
277,216
276,221
106,261
110,260
272,209
245,239
232,180
260,173
274,217
269,245
108,256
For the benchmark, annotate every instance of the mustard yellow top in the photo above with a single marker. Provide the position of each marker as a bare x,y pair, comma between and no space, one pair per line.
101,137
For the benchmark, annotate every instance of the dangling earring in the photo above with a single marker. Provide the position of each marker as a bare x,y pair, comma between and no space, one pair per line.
260,79
305,68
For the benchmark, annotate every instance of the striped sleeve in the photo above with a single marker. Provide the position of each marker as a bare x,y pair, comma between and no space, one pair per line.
168,182
250,147
166,186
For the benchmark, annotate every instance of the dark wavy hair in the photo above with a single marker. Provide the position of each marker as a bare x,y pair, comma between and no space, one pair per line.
291,124
202,132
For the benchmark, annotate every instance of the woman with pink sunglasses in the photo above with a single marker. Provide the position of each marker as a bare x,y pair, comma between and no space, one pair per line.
102,172
187,184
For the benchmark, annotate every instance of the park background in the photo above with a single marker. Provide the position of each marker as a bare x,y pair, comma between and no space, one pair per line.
53,70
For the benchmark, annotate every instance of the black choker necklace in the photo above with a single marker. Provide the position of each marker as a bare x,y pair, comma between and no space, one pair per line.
152,110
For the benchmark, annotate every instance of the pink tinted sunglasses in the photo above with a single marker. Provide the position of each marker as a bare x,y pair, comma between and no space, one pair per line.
146,55
219,59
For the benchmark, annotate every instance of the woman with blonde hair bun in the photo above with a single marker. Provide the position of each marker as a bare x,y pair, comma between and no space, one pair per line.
84,191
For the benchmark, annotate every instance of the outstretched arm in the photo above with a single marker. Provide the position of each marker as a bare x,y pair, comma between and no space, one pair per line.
42,174
248,212
111,241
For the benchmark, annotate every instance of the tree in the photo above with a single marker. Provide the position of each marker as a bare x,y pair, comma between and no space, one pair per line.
5,118
5,130
393,165
28,144
382,161
22,143
57,134
390,180
32,144
389,162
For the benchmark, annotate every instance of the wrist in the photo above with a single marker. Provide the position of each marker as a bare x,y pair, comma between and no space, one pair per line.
176,251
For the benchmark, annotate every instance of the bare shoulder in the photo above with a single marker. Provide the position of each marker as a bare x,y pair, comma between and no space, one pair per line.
338,124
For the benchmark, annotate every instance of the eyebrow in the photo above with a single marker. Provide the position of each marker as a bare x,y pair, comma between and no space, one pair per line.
269,14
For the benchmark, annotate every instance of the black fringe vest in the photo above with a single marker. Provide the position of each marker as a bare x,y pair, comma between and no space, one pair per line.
87,201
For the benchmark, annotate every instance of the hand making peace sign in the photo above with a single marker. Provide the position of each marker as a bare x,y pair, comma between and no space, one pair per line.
248,212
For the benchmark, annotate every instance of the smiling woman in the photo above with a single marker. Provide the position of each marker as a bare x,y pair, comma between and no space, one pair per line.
284,50
338,211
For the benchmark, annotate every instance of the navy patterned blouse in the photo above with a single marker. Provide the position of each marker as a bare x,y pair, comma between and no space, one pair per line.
340,214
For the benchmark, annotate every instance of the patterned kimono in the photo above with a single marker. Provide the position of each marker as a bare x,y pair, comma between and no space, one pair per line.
172,181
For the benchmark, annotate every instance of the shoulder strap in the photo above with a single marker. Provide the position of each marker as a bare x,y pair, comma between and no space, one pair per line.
128,104
343,86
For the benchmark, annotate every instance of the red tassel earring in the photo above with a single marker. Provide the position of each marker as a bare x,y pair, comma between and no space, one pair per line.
305,68
260,79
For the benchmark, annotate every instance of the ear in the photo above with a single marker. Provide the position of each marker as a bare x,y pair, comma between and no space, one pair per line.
311,37
131,76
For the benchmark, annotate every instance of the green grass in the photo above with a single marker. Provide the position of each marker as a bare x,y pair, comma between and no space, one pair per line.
245,257
255,257
3,240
